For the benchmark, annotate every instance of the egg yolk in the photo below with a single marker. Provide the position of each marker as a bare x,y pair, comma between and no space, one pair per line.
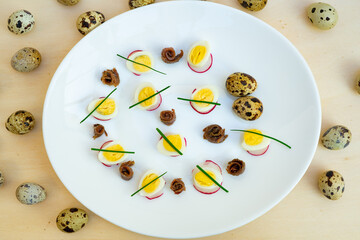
107,108
253,139
153,186
175,140
143,59
145,93
112,156
197,54
204,94
204,180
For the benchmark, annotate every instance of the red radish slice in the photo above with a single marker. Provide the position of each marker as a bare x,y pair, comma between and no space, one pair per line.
154,197
104,144
106,165
212,162
259,152
202,112
207,192
99,118
158,105
204,68
132,54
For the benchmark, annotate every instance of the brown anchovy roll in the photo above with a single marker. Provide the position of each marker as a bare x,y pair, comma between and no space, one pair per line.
168,117
214,133
99,130
177,185
126,171
235,167
168,55
110,77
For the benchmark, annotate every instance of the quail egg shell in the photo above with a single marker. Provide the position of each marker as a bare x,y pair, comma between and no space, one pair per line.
26,59
2,179
20,22
145,90
332,185
88,21
30,193
139,3
106,111
336,137
202,182
199,54
153,190
322,15
71,220
142,57
206,93
177,140
112,158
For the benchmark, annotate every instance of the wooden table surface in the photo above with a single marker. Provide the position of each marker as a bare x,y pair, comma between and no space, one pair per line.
333,56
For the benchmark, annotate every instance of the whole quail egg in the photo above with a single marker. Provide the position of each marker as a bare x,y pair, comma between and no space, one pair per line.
88,21
357,84
20,22
240,84
71,220
322,15
2,179
26,59
20,122
332,185
69,2
253,5
30,193
336,137
248,108
139,3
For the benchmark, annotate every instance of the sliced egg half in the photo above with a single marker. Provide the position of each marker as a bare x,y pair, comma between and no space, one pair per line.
144,91
177,140
203,183
111,158
199,54
206,93
255,144
142,57
154,189
106,111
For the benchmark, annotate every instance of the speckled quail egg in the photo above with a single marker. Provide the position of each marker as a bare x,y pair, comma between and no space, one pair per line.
2,179
336,137
253,5
20,22
332,185
71,220
20,122
88,21
240,84
357,84
139,3
322,15
69,2
30,193
248,108
26,59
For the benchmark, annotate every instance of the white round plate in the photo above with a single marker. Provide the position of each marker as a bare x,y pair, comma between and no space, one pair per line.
240,43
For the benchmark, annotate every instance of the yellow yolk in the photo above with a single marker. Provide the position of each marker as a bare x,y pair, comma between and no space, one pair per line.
204,95
144,59
145,93
107,108
204,180
197,54
253,139
112,156
175,140
153,186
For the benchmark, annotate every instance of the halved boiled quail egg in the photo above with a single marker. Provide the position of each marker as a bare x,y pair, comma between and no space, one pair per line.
203,183
144,91
112,158
177,140
154,189
199,57
142,57
106,111
255,144
206,93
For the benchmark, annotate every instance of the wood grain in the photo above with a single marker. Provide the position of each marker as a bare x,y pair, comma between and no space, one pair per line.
333,56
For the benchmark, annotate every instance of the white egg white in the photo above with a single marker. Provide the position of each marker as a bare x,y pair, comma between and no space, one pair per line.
133,56
206,57
158,191
210,106
208,166
109,163
252,148
96,114
161,148
137,92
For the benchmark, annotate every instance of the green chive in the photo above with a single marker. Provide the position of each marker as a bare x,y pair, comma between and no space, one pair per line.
238,130
168,141
149,97
148,184
98,106
114,151
203,171
199,101
140,64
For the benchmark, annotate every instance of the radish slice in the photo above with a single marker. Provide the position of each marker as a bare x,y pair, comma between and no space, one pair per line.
207,192
259,152
212,162
204,68
129,57
157,196
202,112
156,106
